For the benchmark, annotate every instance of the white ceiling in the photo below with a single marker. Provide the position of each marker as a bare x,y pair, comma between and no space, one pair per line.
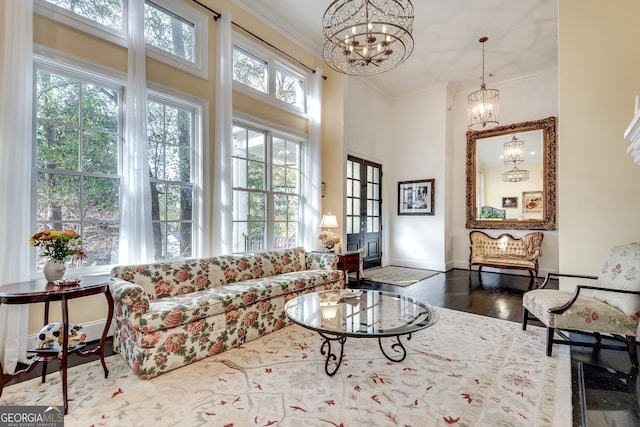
523,39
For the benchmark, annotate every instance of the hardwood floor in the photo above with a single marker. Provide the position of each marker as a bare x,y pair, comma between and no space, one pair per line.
605,388
610,393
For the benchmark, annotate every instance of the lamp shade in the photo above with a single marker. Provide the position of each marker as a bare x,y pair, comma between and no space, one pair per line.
329,221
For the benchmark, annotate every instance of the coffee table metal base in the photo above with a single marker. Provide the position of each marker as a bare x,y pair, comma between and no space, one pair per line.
333,362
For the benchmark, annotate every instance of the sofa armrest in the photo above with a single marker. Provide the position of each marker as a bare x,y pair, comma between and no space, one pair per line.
130,302
322,261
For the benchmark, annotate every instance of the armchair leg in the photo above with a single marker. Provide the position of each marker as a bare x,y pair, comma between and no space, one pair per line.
550,333
633,352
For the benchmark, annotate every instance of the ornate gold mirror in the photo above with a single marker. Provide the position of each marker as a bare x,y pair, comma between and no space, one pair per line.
511,176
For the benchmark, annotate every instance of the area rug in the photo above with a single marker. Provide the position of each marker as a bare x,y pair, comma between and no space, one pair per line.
467,370
399,276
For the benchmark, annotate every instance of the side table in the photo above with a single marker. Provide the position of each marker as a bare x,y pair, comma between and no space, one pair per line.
350,261
35,291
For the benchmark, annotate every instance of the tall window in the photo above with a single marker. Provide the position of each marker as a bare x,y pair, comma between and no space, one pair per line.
170,134
266,190
78,134
108,13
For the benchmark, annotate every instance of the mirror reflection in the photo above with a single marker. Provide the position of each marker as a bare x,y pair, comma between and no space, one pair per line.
511,176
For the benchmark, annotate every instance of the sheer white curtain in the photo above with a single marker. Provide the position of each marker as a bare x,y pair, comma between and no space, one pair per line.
16,82
136,238
313,170
222,189
480,192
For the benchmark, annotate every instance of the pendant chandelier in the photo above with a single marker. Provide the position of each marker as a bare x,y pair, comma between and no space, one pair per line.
366,37
513,152
484,105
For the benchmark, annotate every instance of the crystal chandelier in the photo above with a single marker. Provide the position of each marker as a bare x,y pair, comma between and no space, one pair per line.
484,105
366,37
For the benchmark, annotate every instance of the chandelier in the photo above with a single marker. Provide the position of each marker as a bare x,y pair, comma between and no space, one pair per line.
366,37
484,105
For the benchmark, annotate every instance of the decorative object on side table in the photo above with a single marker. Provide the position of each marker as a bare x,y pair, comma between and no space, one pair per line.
57,246
329,238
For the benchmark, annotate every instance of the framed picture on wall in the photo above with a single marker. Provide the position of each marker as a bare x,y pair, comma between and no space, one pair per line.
510,202
532,201
416,197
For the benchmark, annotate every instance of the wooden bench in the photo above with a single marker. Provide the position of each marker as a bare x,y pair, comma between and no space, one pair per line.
506,251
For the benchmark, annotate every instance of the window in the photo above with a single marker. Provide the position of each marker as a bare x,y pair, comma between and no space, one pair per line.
168,31
78,134
175,33
266,190
261,76
171,142
108,13
250,70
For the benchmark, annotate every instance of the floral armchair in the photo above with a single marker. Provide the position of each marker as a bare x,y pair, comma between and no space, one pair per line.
610,306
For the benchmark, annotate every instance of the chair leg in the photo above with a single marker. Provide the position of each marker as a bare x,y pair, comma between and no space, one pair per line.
633,352
525,318
550,332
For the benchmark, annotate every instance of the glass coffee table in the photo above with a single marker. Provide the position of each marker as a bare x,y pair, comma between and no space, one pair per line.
359,313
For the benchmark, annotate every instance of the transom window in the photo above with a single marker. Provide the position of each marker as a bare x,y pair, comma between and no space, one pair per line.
266,190
261,76
175,33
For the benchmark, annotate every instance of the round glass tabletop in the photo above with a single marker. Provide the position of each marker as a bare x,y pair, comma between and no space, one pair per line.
360,313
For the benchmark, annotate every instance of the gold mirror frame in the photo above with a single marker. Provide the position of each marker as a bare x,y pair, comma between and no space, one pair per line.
548,221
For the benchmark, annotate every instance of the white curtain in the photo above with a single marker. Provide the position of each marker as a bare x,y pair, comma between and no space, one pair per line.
222,189
313,169
16,87
136,238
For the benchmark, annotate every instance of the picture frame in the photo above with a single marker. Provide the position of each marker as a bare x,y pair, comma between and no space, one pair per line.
510,202
532,202
416,197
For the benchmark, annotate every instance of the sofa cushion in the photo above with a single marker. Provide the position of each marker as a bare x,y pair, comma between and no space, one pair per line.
169,312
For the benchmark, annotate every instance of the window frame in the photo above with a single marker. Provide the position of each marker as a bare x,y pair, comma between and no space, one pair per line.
273,64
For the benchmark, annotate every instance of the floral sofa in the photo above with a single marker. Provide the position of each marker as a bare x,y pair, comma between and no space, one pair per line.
506,251
172,314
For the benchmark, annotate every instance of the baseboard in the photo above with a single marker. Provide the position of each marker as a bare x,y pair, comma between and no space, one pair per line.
93,330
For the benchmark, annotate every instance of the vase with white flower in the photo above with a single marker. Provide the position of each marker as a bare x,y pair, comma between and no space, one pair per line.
329,240
57,246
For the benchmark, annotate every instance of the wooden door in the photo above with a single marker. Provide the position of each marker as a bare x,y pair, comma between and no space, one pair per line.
364,209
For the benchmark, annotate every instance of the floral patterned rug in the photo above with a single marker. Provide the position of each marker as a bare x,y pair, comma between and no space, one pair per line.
467,370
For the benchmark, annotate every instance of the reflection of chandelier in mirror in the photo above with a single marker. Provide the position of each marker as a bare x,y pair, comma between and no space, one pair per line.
513,152
366,37
483,106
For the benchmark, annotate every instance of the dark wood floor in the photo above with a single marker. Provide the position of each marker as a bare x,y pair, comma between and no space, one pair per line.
611,392
610,395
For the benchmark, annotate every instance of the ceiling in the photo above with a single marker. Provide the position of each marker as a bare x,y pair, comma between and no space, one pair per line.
523,39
